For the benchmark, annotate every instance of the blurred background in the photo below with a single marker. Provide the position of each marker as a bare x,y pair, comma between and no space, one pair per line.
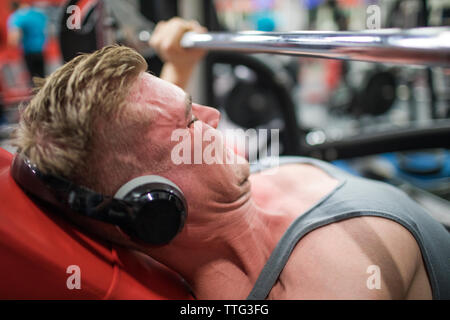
383,121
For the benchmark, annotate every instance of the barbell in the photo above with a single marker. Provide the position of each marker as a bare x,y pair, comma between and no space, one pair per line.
420,46
417,46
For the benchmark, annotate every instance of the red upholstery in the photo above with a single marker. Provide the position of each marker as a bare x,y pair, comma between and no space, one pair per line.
36,248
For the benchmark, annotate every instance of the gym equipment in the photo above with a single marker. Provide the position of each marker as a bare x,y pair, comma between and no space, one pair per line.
249,105
243,103
421,46
102,23
374,95
426,163
402,139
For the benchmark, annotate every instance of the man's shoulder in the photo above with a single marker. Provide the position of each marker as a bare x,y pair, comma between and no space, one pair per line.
358,258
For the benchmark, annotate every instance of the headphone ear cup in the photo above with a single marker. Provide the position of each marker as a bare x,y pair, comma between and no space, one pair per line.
158,206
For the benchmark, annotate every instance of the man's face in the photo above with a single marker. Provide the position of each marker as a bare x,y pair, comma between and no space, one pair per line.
171,109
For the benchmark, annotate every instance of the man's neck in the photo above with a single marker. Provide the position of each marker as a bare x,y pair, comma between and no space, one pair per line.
226,250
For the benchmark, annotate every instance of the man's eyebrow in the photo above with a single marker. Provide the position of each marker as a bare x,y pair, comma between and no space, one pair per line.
188,102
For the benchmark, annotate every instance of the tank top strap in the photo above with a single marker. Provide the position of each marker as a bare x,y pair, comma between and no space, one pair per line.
355,197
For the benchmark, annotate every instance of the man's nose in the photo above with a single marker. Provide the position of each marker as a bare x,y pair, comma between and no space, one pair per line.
208,115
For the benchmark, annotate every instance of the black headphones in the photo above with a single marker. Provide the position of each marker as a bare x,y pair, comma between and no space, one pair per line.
150,208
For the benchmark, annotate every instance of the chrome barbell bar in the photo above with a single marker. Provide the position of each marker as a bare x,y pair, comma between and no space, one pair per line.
418,46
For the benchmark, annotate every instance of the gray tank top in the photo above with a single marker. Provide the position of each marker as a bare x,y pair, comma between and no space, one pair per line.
354,197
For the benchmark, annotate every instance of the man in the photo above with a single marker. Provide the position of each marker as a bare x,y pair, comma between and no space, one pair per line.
307,231
27,27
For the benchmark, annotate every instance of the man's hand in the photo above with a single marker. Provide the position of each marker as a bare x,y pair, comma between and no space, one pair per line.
179,62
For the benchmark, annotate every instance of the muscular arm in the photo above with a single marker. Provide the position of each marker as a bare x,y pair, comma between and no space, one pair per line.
176,75
343,261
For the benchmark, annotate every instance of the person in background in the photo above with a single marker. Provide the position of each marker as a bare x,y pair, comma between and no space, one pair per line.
27,28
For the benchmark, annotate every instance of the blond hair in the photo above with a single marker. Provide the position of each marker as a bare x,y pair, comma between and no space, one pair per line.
56,128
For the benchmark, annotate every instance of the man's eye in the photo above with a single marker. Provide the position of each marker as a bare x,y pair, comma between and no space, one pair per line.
194,118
